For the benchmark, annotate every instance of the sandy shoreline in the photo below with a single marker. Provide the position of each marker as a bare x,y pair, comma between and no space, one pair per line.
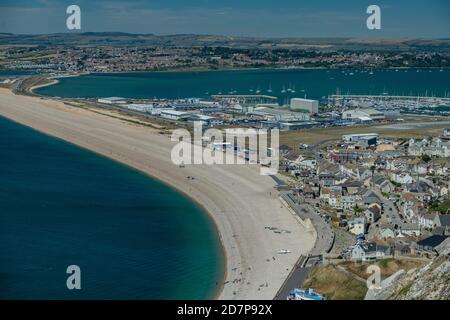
241,202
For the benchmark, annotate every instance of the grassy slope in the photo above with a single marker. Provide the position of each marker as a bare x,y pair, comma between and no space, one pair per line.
335,285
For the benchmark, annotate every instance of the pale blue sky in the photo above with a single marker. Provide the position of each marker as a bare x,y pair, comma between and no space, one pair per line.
273,18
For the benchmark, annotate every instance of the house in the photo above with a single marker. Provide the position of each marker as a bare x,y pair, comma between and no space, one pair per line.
352,187
444,247
411,207
382,184
327,179
369,251
370,197
401,249
442,220
410,229
308,192
308,163
379,163
357,226
373,213
348,202
428,245
437,148
401,177
385,231
427,221
363,173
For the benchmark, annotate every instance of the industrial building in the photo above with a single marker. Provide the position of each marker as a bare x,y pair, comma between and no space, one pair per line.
363,115
366,138
140,107
245,98
297,125
312,106
272,114
113,100
288,126
174,115
207,120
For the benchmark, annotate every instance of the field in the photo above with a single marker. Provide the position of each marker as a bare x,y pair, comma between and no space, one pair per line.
417,128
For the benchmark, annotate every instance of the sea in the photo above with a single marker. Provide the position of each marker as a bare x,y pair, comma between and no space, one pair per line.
131,236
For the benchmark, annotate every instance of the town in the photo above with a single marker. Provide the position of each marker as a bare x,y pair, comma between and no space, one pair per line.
128,58
369,197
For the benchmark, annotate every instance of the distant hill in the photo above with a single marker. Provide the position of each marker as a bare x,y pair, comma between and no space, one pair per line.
191,40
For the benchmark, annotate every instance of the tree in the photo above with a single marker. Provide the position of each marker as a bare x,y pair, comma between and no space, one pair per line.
426,158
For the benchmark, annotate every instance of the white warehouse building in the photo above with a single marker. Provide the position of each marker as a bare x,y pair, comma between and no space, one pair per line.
174,115
113,100
312,106
140,107
363,114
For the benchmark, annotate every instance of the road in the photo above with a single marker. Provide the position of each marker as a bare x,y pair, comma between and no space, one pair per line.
390,209
324,243
298,275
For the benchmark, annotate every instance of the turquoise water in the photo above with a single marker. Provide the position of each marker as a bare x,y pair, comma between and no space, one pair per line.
133,237
314,83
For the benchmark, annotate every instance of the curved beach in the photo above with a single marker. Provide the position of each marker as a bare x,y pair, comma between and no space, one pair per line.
241,202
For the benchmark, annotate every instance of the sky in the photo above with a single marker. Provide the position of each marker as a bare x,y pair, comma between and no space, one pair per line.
261,18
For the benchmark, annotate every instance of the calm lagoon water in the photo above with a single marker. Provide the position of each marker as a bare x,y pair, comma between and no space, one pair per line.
312,83
132,236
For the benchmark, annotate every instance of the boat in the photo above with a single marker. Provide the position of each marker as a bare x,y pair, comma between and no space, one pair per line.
307,294
270,89
284,90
